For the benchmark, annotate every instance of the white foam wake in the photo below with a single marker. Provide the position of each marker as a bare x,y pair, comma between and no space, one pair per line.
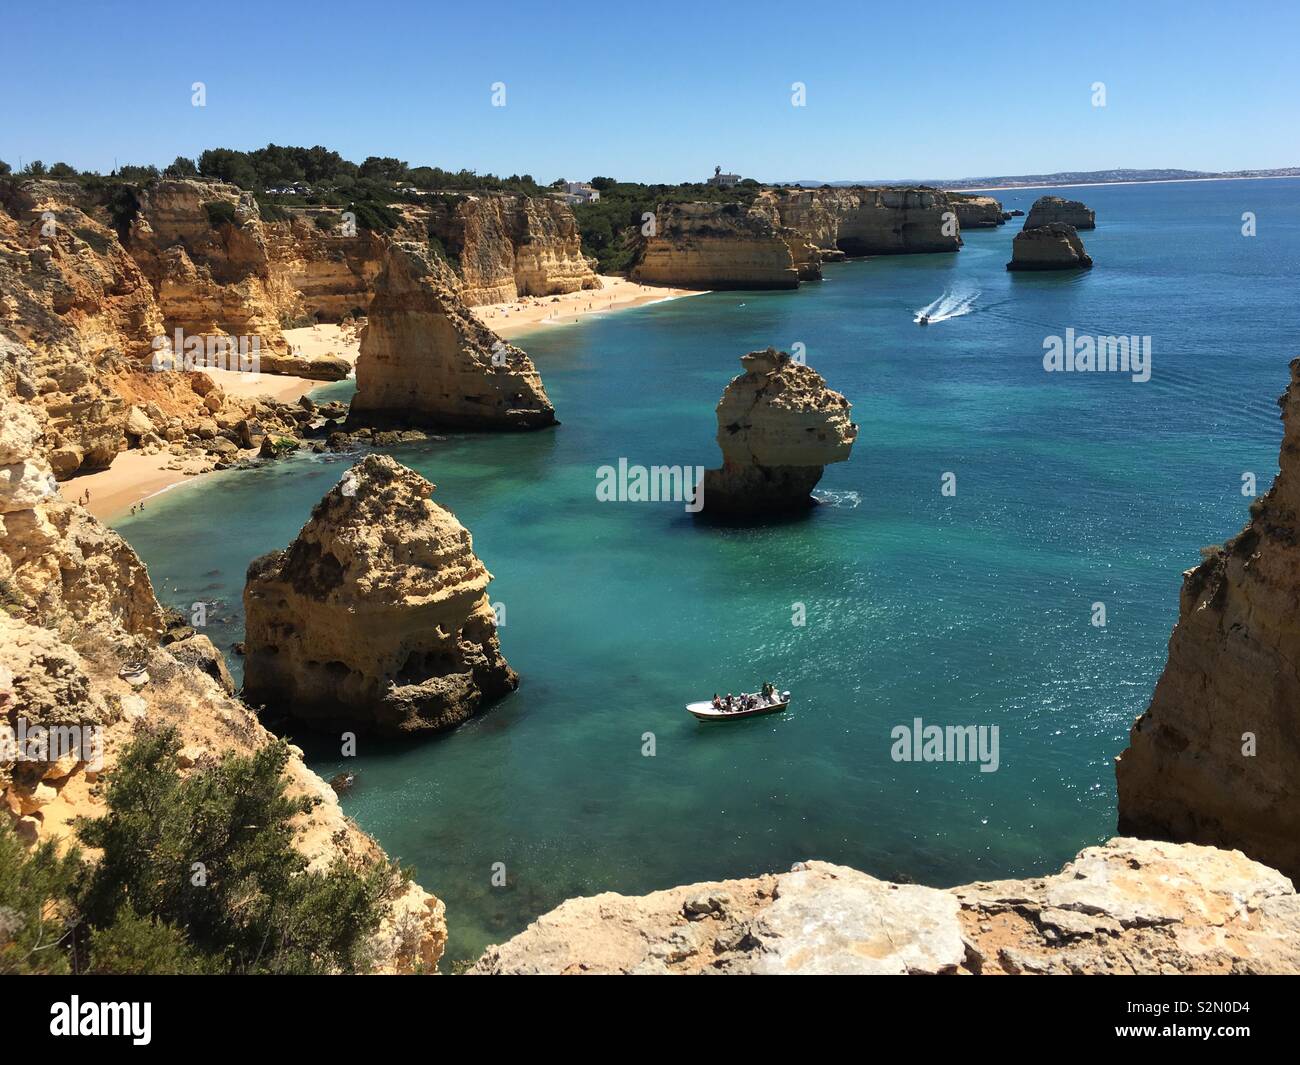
949,305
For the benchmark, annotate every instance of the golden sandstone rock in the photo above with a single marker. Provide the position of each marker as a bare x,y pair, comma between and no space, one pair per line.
778,426
1127,907
1214,758
426,360
1049,209
1055,246
722,246
867,220
377,615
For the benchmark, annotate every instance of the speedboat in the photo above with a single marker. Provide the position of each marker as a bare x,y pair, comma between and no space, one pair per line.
706,711
923,320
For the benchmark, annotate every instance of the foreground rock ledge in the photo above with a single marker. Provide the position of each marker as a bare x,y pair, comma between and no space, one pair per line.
1129,906
377,615
778,426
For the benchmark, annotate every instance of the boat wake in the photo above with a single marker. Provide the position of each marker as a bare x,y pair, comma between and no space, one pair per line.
828,497
949,305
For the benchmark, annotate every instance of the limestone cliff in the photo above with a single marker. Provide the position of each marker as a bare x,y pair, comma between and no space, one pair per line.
71,295
1049,209
426,360
1214,758
723,246
977,212
778,426
377,615
863,220
1127,907
78,610
211,271
506,246
1055,246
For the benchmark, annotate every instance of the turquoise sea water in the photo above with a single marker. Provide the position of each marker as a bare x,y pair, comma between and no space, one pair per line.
971,609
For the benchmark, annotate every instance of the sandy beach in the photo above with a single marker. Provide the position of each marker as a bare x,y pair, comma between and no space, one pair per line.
615,294
135,476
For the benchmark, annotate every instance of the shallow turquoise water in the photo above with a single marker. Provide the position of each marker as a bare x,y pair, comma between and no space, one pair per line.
974,609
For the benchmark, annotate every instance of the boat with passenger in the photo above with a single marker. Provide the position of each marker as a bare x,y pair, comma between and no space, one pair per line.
746,704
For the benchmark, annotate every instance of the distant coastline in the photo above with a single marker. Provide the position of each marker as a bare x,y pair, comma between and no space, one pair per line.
1136,181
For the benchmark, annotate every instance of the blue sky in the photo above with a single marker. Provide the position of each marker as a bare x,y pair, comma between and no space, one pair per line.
662,91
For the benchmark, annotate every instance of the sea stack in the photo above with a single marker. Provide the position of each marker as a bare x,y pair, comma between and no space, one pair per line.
427,361
1216,757
778,426
1055,246
377,616
1049,209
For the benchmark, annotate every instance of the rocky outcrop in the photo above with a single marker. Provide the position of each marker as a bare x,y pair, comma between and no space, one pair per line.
869,221
1214,758
778,426
1050,247
507,246
723,246
977,212
377,615
1127,907
79,645
426,360
1049,209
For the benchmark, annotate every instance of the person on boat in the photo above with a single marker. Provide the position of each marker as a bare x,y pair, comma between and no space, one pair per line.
767,691
717,703
727,706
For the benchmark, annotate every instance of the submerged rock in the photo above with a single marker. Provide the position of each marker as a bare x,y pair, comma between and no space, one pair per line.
377,615
778,426
1055,246
425,359
1129,906
1216,757
1049,209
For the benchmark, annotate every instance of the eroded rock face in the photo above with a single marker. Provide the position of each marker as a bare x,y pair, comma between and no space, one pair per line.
870,221
977,212
509,246
723,246
57,564
1049,209
426,360
1214,758
1129,906
76,307
377,615
778,426
1055,246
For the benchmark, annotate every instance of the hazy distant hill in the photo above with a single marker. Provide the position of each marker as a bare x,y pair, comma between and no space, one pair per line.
1067,177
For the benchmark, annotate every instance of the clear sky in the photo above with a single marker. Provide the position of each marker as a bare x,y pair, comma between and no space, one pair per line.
661,91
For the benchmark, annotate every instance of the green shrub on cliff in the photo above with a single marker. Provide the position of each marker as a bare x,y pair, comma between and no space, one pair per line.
220,213
36,913
197,874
